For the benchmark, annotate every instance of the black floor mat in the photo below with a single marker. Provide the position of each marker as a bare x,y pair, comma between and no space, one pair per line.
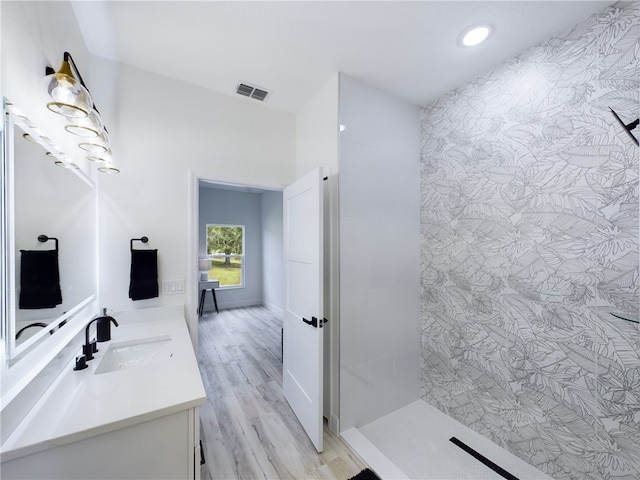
365,474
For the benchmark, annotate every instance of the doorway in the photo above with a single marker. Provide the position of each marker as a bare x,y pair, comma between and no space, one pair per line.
240,348
225,197
196,239
240,231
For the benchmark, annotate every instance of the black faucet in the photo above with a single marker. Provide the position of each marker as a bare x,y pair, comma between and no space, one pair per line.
104,326
103,334
89,348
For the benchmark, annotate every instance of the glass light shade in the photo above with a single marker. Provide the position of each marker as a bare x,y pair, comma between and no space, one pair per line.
99,159
99,144
37,137
104,158
60,163
87,127
29,138
108,169
69,97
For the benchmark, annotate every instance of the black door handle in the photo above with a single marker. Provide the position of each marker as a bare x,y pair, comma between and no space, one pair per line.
313,321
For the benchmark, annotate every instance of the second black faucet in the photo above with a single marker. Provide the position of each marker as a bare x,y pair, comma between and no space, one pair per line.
103,334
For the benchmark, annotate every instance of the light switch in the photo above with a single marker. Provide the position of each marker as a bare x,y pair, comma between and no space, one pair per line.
172,287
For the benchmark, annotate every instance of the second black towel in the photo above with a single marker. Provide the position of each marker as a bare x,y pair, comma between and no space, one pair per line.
144,274
39,279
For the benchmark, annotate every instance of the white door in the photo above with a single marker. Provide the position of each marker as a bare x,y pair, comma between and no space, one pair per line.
303,315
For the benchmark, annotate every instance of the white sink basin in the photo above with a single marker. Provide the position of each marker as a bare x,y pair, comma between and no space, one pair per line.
135,353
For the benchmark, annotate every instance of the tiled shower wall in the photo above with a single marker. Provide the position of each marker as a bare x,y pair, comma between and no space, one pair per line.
529,238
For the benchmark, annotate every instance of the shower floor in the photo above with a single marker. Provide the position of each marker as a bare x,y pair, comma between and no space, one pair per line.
413,443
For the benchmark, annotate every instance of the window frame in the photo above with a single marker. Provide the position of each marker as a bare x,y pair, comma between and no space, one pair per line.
241,256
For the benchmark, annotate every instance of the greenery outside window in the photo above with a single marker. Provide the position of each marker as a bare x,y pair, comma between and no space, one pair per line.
225,248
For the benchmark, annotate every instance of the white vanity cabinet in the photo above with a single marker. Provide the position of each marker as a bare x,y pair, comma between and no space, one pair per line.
128,422
163,448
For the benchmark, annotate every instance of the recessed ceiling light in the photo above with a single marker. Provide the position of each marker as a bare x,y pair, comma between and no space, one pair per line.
475,36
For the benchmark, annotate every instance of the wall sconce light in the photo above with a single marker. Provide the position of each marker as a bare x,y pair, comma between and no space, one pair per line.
105,161
103,158
87,127
99,144
108,168
627,127
61,164
71,98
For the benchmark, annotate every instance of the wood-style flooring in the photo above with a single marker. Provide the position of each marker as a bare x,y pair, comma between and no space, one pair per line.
247,428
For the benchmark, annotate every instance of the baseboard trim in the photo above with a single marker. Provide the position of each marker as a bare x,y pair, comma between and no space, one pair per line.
273,308
238,304
370,455
334,424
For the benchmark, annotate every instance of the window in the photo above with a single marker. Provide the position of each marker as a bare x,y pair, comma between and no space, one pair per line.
225,247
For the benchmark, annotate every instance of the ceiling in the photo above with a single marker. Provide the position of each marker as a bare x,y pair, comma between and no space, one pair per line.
231,186
291,49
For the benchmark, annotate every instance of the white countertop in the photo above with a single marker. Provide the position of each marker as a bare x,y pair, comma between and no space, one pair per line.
81,404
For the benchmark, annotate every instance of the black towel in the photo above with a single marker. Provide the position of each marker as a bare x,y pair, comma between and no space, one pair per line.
39,279
144,274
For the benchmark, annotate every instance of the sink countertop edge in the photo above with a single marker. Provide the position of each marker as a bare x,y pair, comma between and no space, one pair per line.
28,438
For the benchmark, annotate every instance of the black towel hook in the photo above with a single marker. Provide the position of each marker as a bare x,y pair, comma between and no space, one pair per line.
627,126
44,238
141,239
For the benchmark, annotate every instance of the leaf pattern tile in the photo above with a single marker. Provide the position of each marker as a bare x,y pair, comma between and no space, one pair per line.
529,238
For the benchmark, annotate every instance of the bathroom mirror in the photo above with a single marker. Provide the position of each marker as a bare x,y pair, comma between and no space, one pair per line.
46,197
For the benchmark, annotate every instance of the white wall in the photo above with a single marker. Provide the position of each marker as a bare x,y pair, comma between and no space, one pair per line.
317,145
227,207
164,132
379,253
272,251
317,131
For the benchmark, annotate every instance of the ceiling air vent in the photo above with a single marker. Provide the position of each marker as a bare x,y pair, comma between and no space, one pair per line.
259,94
252,92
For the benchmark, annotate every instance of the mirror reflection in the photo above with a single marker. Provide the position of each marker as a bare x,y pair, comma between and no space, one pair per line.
54,244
